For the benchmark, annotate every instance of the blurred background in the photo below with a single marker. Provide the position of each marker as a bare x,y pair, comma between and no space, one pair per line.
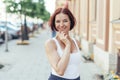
30,14
97,29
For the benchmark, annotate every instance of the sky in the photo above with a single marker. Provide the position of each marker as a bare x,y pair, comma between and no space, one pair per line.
50,5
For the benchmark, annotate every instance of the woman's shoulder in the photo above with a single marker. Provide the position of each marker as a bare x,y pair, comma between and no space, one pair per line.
50,46
50,42
77,41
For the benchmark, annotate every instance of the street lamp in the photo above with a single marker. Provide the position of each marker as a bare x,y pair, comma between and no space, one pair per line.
6,33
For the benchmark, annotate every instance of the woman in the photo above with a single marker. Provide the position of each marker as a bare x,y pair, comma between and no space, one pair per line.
62,50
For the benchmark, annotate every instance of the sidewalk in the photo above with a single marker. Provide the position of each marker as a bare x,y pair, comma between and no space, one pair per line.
29,62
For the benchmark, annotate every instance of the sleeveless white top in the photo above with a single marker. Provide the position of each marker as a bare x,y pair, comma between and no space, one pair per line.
73,68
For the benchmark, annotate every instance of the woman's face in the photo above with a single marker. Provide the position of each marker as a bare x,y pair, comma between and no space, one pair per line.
62,23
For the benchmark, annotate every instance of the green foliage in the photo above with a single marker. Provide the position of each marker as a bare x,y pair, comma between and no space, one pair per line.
28,8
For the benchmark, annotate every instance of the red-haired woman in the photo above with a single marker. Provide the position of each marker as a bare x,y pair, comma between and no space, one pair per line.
62,51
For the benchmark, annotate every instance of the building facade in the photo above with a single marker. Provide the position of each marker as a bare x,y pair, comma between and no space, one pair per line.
98,30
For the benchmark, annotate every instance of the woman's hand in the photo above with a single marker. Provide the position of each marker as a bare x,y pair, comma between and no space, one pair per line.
64,38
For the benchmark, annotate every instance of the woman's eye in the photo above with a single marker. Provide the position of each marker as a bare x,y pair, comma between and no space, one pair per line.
57,21
65,20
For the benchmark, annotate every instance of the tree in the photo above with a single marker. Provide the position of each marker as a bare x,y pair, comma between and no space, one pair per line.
28,8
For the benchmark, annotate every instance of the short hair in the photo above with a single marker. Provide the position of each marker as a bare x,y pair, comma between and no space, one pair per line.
64,11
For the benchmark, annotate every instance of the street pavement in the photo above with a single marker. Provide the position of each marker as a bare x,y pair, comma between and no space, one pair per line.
29,62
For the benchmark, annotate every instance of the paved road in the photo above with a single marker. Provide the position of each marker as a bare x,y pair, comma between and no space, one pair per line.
29,62
25,62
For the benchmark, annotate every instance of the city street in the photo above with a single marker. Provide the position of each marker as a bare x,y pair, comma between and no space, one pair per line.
29,62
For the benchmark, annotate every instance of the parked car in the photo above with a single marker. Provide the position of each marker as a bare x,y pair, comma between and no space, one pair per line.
13,31
2,32
30,27
1,40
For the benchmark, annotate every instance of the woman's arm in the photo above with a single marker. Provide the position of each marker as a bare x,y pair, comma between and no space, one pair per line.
58,63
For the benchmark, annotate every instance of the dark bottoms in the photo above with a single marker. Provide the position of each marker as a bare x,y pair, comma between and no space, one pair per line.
53,77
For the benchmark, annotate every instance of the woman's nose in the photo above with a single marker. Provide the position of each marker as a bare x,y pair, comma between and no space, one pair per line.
61,24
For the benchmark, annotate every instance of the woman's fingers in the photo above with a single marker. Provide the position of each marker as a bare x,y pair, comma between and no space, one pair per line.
62,35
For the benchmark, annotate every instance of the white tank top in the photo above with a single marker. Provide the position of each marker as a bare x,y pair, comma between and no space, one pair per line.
73,68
